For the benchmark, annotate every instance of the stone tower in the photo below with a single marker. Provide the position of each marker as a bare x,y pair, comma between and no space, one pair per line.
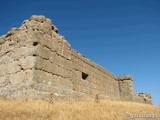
36,61
126,86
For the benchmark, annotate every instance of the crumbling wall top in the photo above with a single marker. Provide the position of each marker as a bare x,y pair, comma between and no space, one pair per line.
40,18
125,77
145,95
43,19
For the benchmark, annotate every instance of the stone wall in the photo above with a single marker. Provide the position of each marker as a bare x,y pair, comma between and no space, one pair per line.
92,79
35,61
126,86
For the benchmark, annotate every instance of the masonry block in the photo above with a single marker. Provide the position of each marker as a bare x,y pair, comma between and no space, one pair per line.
17,78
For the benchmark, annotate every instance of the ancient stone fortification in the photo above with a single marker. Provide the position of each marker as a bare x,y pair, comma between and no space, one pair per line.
35,61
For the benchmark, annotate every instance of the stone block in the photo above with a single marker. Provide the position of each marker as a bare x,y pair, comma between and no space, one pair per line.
75,87
83,89
18,78
65,43
68,64
42,77
7,47
64,62
3,73
79,67
29,75
3,70
67,52
43,52
6,58
67,73
74,53
27,62
94,86
93,91
64,83
60,71
60,49
78,74
50,67
57,59
56,45
49,43
40,62
24,52
54,57
13,67
46,65
2,80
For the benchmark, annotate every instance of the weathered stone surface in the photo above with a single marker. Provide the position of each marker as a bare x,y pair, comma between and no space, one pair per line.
125,77
126,86
17,78
36,61
143,97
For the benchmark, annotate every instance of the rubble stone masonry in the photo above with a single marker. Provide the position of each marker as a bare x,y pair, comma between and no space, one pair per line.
36,61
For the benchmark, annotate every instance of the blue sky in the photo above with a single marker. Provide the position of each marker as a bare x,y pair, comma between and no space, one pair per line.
123,36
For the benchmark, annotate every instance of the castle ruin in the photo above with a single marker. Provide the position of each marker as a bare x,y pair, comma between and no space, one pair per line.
35,61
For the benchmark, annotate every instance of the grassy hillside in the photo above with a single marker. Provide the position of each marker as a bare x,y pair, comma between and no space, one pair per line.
75,110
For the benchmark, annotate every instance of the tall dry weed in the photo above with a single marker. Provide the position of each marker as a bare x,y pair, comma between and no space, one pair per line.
96,98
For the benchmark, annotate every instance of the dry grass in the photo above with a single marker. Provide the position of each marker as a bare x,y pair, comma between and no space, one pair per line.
74,110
